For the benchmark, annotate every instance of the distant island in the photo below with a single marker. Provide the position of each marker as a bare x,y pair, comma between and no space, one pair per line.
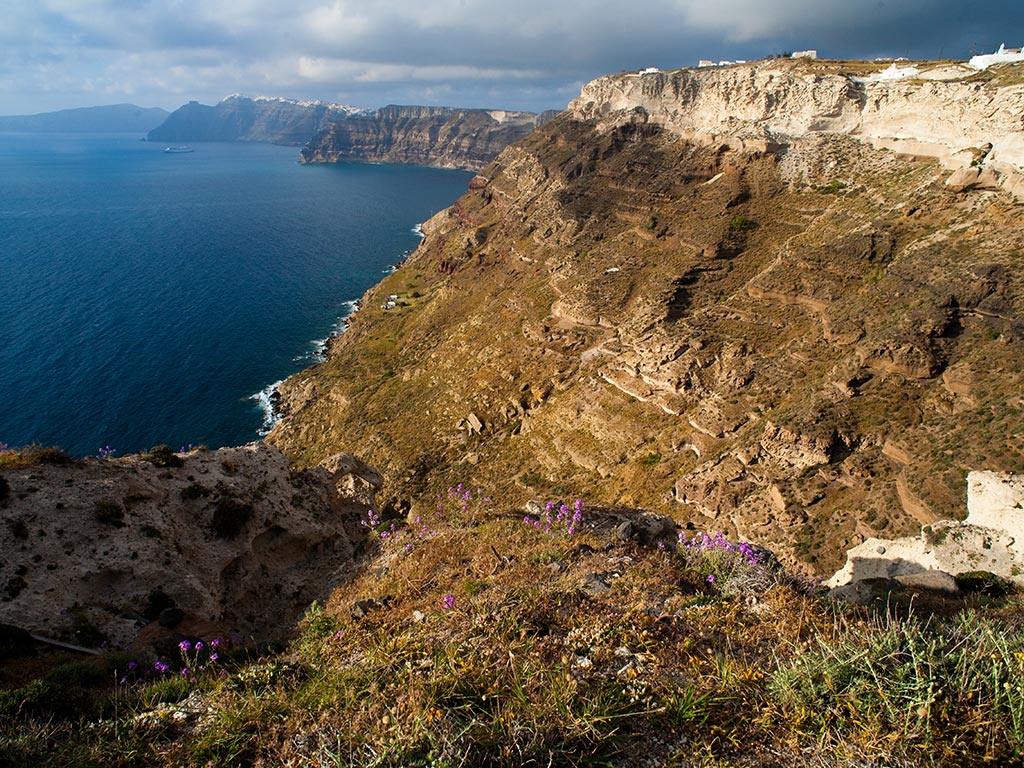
447,137
249,118
114,118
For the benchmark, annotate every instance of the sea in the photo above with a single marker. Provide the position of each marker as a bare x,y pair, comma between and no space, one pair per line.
155,298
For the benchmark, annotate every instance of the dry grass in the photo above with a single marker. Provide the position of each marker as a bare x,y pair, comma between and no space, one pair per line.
478,643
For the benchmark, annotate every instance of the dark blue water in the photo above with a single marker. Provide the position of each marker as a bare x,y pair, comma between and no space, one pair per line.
145,297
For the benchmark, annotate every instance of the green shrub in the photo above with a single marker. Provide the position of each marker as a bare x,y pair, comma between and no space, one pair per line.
741,224
33,455
163,456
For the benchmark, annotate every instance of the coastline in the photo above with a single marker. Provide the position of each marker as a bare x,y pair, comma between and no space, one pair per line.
268,399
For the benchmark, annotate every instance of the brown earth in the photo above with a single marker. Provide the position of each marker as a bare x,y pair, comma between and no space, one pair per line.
803,344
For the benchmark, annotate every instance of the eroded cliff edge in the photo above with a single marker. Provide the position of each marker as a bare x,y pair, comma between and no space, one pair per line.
234,539
713,293
444,137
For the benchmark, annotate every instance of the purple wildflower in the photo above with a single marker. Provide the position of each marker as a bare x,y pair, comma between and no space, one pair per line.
185,646
448,602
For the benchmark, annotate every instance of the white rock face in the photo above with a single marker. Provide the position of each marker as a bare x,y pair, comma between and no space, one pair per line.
991,539
996,500
769,103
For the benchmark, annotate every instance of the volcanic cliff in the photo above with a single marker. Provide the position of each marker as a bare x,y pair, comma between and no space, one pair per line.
435,136
778,299
232,540
244,118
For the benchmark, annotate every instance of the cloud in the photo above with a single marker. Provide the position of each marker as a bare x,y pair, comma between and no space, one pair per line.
529,54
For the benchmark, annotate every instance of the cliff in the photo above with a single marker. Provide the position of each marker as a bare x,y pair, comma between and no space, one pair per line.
715,293
93,550
962,118
435,136
116,118
241,118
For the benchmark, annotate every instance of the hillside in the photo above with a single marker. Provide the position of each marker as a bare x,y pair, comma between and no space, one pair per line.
243,118
721,294
435,136
116,118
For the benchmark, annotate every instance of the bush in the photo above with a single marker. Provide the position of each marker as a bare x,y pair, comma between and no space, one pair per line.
33,455
163,456
741,224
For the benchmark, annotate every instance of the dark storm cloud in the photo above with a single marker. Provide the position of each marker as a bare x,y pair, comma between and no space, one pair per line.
530,54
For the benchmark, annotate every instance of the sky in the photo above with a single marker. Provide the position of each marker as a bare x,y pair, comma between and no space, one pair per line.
513,54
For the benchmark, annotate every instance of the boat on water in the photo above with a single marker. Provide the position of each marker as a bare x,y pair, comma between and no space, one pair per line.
178,150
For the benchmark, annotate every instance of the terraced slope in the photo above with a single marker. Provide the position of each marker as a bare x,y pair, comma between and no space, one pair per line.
801,339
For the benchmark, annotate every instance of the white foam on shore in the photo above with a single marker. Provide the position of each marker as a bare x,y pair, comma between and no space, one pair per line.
264,401
418,231
319,353
265,397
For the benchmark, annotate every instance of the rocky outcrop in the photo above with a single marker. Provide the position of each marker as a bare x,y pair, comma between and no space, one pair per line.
242,118
233,538
989,541
433,136
960,120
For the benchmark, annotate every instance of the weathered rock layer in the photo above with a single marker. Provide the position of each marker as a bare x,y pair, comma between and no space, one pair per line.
233,537
433,136
963,121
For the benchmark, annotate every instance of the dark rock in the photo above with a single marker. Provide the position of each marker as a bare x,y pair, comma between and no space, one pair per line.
169,646
239,118
13,588
360,608
648,529
594,584
15,642
865,591
171,617
929,581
